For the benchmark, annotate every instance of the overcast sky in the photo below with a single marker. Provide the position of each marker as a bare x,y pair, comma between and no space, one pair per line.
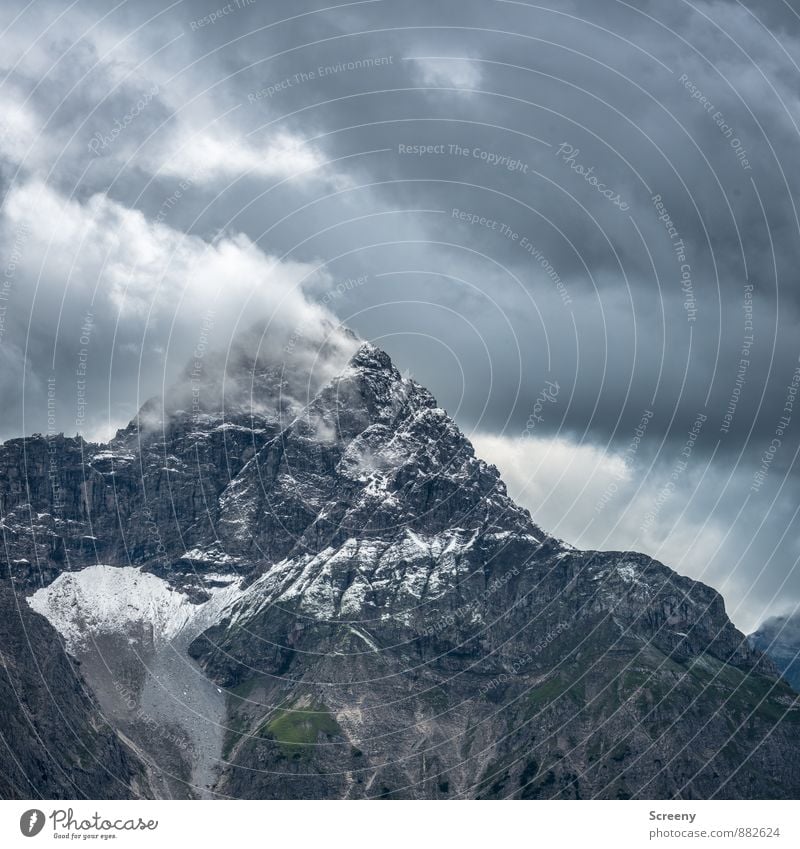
576,223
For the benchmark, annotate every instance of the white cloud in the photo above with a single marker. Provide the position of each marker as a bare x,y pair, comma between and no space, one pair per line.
150,289
18,130
591,498
448,73
122,118
140,266
558,480
207,156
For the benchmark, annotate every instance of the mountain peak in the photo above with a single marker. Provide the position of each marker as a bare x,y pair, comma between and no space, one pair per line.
369,356
258,377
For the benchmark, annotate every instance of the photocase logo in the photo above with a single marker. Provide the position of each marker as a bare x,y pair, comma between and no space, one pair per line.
31,822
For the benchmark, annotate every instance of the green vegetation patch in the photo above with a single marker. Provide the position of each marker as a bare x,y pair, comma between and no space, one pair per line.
296,728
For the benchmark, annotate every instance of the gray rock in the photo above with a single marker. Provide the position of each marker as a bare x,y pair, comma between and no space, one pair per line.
54,740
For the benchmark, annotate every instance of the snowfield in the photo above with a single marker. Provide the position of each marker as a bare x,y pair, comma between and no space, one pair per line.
121,599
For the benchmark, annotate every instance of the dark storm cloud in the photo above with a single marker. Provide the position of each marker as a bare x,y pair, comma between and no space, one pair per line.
601,194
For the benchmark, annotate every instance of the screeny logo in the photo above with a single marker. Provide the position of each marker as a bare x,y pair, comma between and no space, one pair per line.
31,822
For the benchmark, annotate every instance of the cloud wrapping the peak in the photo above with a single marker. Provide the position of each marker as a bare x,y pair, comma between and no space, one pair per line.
139,298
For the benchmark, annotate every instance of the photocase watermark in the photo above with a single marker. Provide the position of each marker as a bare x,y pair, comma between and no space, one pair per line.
154,728
468,610
680,466
196,373
489,157
780,431
548,395
478,220
719,119
80,371
7,283
218,14
569,156
155,534
520,663
294,337
343,286
103,141
32,822
496,160
96,826
349,284
627,461
743,365
183,186
52,445
679,249
320,72
548,269
524,242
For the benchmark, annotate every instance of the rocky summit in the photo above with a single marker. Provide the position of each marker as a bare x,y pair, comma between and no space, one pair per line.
328,595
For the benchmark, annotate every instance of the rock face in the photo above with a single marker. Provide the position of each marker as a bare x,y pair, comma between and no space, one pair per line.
55,743
779,638
377,617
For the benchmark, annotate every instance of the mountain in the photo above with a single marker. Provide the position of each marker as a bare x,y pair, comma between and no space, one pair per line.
779,638
319,591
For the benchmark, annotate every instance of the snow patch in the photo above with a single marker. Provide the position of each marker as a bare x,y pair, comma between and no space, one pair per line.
122,599
627,573
116,456
214,555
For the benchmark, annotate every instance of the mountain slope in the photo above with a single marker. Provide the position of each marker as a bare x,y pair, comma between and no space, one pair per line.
54,743
355,608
